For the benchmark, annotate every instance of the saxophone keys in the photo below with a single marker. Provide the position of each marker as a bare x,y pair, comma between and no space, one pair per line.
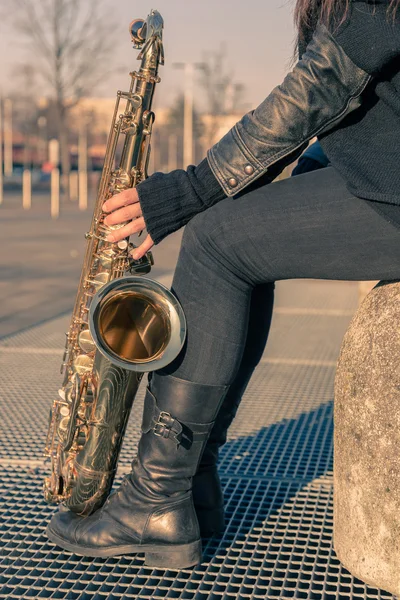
63,423
85,341
106,261
98,280
82,364
64,411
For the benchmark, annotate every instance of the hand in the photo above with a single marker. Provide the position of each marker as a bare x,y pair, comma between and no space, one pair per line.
125,208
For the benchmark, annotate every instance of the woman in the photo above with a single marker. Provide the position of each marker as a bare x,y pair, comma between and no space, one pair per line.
242,235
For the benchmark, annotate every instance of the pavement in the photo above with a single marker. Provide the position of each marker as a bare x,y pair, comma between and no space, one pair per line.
41,260
276,467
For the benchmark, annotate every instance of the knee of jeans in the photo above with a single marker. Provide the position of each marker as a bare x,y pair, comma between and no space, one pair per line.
199,231
211,234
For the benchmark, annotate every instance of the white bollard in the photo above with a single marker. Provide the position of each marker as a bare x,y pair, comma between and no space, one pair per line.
8,138
55,194
1,151
73,185
83,190
26,189
54,152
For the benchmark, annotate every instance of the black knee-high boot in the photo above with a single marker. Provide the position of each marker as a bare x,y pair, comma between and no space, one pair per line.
152,512
207,491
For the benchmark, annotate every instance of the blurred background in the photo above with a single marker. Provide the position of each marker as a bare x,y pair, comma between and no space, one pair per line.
62,62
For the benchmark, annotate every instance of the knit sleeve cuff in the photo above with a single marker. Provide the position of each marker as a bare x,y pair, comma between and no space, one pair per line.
169,200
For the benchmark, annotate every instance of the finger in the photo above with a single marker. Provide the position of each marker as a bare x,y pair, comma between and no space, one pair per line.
143,248
129,196
127,213
126,230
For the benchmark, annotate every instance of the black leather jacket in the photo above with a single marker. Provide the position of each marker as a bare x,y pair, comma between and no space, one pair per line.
345,90
323,88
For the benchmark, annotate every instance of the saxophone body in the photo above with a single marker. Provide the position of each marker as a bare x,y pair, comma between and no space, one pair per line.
123,324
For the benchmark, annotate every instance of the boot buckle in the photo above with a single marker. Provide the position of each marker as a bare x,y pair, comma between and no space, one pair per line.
163,427
168,427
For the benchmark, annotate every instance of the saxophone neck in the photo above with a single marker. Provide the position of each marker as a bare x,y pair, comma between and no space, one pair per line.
147,36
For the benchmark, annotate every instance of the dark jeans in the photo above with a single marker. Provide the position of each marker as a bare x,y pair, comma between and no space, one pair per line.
309,226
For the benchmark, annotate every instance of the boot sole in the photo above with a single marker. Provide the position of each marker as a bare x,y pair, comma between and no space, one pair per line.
155,555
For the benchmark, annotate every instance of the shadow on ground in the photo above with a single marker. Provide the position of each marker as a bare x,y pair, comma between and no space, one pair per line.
278,540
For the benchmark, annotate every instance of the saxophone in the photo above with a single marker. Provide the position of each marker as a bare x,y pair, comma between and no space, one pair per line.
123,324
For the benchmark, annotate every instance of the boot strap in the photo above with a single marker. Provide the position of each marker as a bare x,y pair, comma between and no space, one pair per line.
165,425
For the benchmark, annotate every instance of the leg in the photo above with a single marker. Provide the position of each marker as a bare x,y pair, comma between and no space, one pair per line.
309,226
306,227
207,491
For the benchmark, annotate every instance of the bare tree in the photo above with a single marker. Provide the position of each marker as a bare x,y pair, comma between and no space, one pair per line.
223,95
176,126
70,42
25,112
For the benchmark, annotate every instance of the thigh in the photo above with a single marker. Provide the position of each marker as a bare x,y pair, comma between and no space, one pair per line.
308,226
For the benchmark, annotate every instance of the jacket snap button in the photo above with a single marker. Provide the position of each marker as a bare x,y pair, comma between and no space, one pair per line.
233,182
248,170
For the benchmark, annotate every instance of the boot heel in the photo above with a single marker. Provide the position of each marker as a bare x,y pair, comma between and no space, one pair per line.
180,557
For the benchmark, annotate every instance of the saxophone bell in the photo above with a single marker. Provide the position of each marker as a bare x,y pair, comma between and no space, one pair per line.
137,323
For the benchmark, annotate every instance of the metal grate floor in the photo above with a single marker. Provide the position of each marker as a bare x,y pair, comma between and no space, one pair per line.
276,471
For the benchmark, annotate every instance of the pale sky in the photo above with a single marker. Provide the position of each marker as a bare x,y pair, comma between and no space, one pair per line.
258,35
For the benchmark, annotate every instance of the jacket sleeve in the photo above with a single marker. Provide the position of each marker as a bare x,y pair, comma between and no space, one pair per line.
323,88
169,200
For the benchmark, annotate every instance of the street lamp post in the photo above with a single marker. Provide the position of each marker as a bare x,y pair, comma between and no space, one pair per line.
189,69
172,152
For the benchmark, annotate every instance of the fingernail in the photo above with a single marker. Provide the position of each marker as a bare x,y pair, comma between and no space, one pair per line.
135,254
104,206
109,238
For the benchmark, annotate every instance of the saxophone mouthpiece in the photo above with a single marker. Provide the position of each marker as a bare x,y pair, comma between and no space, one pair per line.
137,31
142,30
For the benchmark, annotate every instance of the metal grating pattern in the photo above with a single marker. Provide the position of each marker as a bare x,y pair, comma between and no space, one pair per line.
304,336
278,544
315,294
294,422
276,470
293,336
294,448
50,335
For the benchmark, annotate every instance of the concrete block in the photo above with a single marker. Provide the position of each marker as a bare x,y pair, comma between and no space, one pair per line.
367,442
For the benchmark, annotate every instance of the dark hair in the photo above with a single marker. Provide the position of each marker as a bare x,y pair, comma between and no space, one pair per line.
329,12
